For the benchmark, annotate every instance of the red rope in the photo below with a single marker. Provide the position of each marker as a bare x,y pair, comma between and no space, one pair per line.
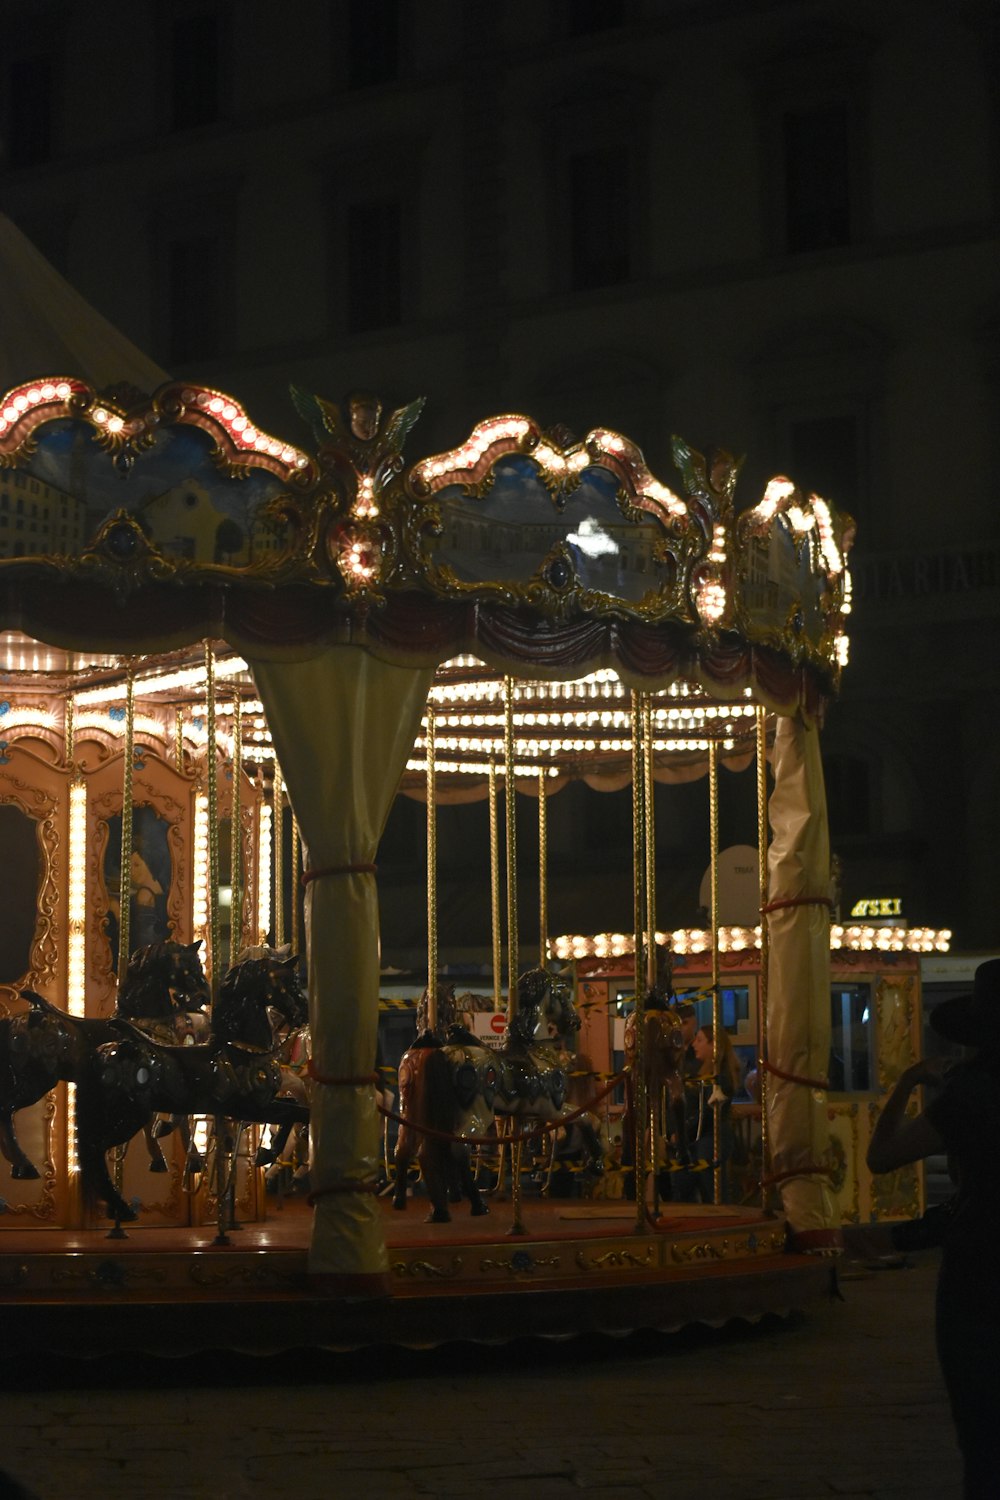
320,874
350,1080
784,901
809,1083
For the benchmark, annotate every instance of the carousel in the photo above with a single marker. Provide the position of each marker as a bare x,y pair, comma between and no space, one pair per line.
225,652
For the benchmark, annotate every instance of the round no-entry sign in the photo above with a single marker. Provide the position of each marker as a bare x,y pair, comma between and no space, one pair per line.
498,1022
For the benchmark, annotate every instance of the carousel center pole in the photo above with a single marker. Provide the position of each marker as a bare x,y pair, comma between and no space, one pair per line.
432,911
713,797
639,967
517,1227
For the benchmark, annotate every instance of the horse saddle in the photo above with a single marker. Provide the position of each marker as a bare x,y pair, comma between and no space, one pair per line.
239,1074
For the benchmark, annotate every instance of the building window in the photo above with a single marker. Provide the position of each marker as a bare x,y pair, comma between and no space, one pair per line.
374,264
584,17
194,282
194,51
373,42
824,458
848,795
816,150
29,120
599,206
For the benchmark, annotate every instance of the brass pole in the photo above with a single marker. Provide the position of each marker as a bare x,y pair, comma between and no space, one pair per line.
639,967
511,842
179,739
296,876
212,791
543,872
236,837
125,879
713,797
432,913
68,731
517,1226
495,888
649,835
279,857
765,1143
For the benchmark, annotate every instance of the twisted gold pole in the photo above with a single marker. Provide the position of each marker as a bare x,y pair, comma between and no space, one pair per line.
432,910
765,1144
511,842
296,876
212,792
517,1227
639,967
543,872
649,835
68,731
713,797
236,836
179,739
125,879
495,888
279,857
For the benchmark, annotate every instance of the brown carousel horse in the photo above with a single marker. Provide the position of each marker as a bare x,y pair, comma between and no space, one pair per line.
45,1045
662,1069
451,1091
234,1076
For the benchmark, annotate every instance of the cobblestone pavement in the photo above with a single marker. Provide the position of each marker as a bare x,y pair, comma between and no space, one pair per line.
842,1401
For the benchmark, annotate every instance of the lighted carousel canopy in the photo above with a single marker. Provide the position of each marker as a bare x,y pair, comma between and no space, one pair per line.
132,525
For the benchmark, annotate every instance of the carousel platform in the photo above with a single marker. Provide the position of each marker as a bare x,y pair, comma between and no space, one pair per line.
581,1267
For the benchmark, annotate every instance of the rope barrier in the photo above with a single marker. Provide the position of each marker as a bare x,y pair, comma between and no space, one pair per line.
350,1080
784,901
809,1083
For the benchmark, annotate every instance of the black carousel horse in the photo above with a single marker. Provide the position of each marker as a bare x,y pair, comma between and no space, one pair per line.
45,1045
234,1076
453,1091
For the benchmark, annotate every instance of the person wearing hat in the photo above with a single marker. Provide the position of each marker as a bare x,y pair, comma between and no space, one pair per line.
963,1120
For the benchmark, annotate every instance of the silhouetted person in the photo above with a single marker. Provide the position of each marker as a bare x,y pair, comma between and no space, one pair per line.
964,1121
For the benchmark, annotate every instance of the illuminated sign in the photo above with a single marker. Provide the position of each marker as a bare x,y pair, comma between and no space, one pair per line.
879,906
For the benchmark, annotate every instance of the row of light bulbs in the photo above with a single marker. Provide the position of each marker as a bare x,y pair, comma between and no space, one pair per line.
740,939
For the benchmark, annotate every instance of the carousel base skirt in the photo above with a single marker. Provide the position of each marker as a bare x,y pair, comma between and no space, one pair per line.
571,1269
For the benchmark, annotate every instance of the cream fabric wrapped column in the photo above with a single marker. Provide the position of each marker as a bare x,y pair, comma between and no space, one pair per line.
798,1030
343,724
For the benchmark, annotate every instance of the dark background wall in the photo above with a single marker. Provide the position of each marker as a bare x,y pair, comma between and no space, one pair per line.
770,227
